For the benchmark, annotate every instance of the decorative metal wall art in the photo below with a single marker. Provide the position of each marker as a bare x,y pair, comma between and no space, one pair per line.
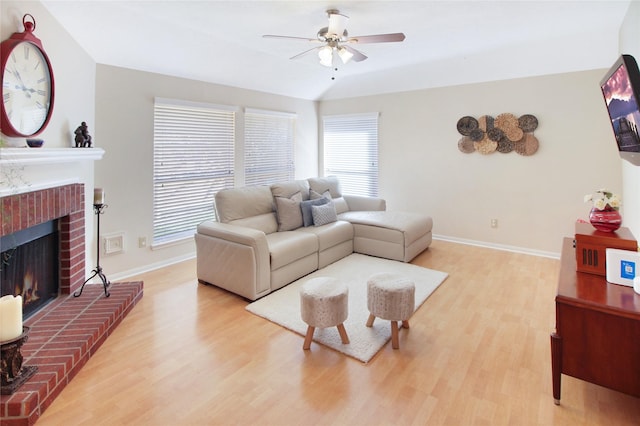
504,133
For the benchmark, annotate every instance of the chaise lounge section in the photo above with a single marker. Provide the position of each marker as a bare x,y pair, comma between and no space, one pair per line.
269,236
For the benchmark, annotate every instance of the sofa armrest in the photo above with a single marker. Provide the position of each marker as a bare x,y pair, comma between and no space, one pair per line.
233,257
361,203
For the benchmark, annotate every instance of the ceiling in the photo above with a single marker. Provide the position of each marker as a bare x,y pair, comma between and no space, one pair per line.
447,42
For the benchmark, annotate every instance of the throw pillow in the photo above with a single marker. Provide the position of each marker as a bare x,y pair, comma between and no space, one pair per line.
305,206
288,212
315,195
324,214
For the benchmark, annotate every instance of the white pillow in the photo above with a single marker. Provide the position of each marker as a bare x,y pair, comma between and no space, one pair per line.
288,212
324,214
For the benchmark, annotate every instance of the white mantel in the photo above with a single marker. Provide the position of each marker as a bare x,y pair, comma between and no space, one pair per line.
30,169
48,155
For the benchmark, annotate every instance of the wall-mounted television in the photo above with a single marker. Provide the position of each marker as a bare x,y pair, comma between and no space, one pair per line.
621,91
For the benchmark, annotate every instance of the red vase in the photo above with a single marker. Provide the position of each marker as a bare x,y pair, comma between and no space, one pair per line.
607,220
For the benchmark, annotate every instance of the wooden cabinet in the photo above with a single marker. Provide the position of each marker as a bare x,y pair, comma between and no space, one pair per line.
597,336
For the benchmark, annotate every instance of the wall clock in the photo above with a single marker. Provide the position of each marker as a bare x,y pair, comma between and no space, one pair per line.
27,83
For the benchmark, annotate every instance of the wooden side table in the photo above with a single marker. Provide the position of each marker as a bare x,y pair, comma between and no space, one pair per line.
597,336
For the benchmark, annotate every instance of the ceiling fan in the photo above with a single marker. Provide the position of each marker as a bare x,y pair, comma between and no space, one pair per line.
335,38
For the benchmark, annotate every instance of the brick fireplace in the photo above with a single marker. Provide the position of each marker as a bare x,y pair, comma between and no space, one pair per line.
65,203
65,333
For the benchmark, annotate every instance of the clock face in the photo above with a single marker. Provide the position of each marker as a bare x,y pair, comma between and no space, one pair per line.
26,89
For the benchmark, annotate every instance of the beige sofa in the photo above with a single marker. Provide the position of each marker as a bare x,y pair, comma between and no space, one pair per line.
268,236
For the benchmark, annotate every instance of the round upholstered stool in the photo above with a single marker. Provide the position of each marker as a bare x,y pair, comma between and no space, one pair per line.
324,303
391,297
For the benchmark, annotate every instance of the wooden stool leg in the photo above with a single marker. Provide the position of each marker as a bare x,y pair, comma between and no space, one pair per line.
395,342
308,338
343,334
370,320
405,324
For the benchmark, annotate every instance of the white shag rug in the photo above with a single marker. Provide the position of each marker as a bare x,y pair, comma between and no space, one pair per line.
283,306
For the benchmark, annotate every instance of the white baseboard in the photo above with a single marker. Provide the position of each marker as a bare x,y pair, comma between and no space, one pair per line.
504,247
122,276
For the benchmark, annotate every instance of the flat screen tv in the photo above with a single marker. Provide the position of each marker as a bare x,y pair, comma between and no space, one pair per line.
621,91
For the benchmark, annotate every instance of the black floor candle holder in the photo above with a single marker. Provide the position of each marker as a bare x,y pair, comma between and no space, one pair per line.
97,271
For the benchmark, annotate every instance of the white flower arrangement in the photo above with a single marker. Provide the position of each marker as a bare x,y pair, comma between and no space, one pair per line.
603,199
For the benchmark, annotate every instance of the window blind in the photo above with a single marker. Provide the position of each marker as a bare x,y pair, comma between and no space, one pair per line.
351,152
193,154
269,141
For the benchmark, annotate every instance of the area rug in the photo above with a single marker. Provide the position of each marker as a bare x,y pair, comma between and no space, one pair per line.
283,306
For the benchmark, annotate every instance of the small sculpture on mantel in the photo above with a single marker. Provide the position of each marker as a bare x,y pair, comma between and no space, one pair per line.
83,138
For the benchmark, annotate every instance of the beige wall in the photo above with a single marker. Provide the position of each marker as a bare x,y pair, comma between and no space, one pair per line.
630,44
124,113
535,199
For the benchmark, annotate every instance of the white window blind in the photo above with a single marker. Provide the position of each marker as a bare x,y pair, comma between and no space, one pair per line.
193,159
351,152
269,141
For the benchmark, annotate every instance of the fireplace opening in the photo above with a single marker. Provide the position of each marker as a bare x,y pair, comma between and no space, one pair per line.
29,266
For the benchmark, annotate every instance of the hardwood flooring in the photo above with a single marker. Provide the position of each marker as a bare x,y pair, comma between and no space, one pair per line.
477,353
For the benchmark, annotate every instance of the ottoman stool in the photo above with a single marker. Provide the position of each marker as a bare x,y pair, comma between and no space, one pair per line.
390,297
324,303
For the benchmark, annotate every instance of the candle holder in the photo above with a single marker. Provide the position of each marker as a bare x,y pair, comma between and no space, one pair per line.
97,271
12,373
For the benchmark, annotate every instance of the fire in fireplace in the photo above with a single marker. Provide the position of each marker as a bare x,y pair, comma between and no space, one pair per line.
29,266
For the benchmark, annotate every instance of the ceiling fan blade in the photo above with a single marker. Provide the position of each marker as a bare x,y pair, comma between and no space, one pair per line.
357,55
337,24
305,52
289,37
377,38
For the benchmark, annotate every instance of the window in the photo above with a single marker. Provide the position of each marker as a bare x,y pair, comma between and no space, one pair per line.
269,139
193,156
351,152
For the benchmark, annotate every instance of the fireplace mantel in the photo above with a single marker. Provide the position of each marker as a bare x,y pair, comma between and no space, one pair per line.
31,169
28,156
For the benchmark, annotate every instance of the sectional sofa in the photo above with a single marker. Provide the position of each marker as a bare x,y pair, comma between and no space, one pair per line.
266,237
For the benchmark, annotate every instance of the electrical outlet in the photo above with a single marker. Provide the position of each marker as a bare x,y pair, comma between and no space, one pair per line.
494,223
142,242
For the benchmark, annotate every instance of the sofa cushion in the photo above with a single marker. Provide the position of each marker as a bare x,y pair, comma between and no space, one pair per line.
322,184
287,247
331,234
324,214
305,207
263,222
287,189
288,212
240,203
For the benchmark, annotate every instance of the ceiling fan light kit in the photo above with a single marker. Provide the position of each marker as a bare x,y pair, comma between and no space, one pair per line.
335,37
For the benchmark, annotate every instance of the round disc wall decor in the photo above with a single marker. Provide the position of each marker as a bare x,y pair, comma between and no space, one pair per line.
466,125
504,133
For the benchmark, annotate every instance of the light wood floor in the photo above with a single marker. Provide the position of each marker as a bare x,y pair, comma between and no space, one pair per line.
477,353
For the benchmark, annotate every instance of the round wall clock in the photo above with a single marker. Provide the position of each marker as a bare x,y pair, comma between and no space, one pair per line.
27,83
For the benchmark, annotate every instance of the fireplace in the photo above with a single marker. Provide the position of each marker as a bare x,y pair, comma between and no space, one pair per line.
29,266
64,204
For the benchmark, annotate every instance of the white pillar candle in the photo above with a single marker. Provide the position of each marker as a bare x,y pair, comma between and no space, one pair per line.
98,196
10,317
